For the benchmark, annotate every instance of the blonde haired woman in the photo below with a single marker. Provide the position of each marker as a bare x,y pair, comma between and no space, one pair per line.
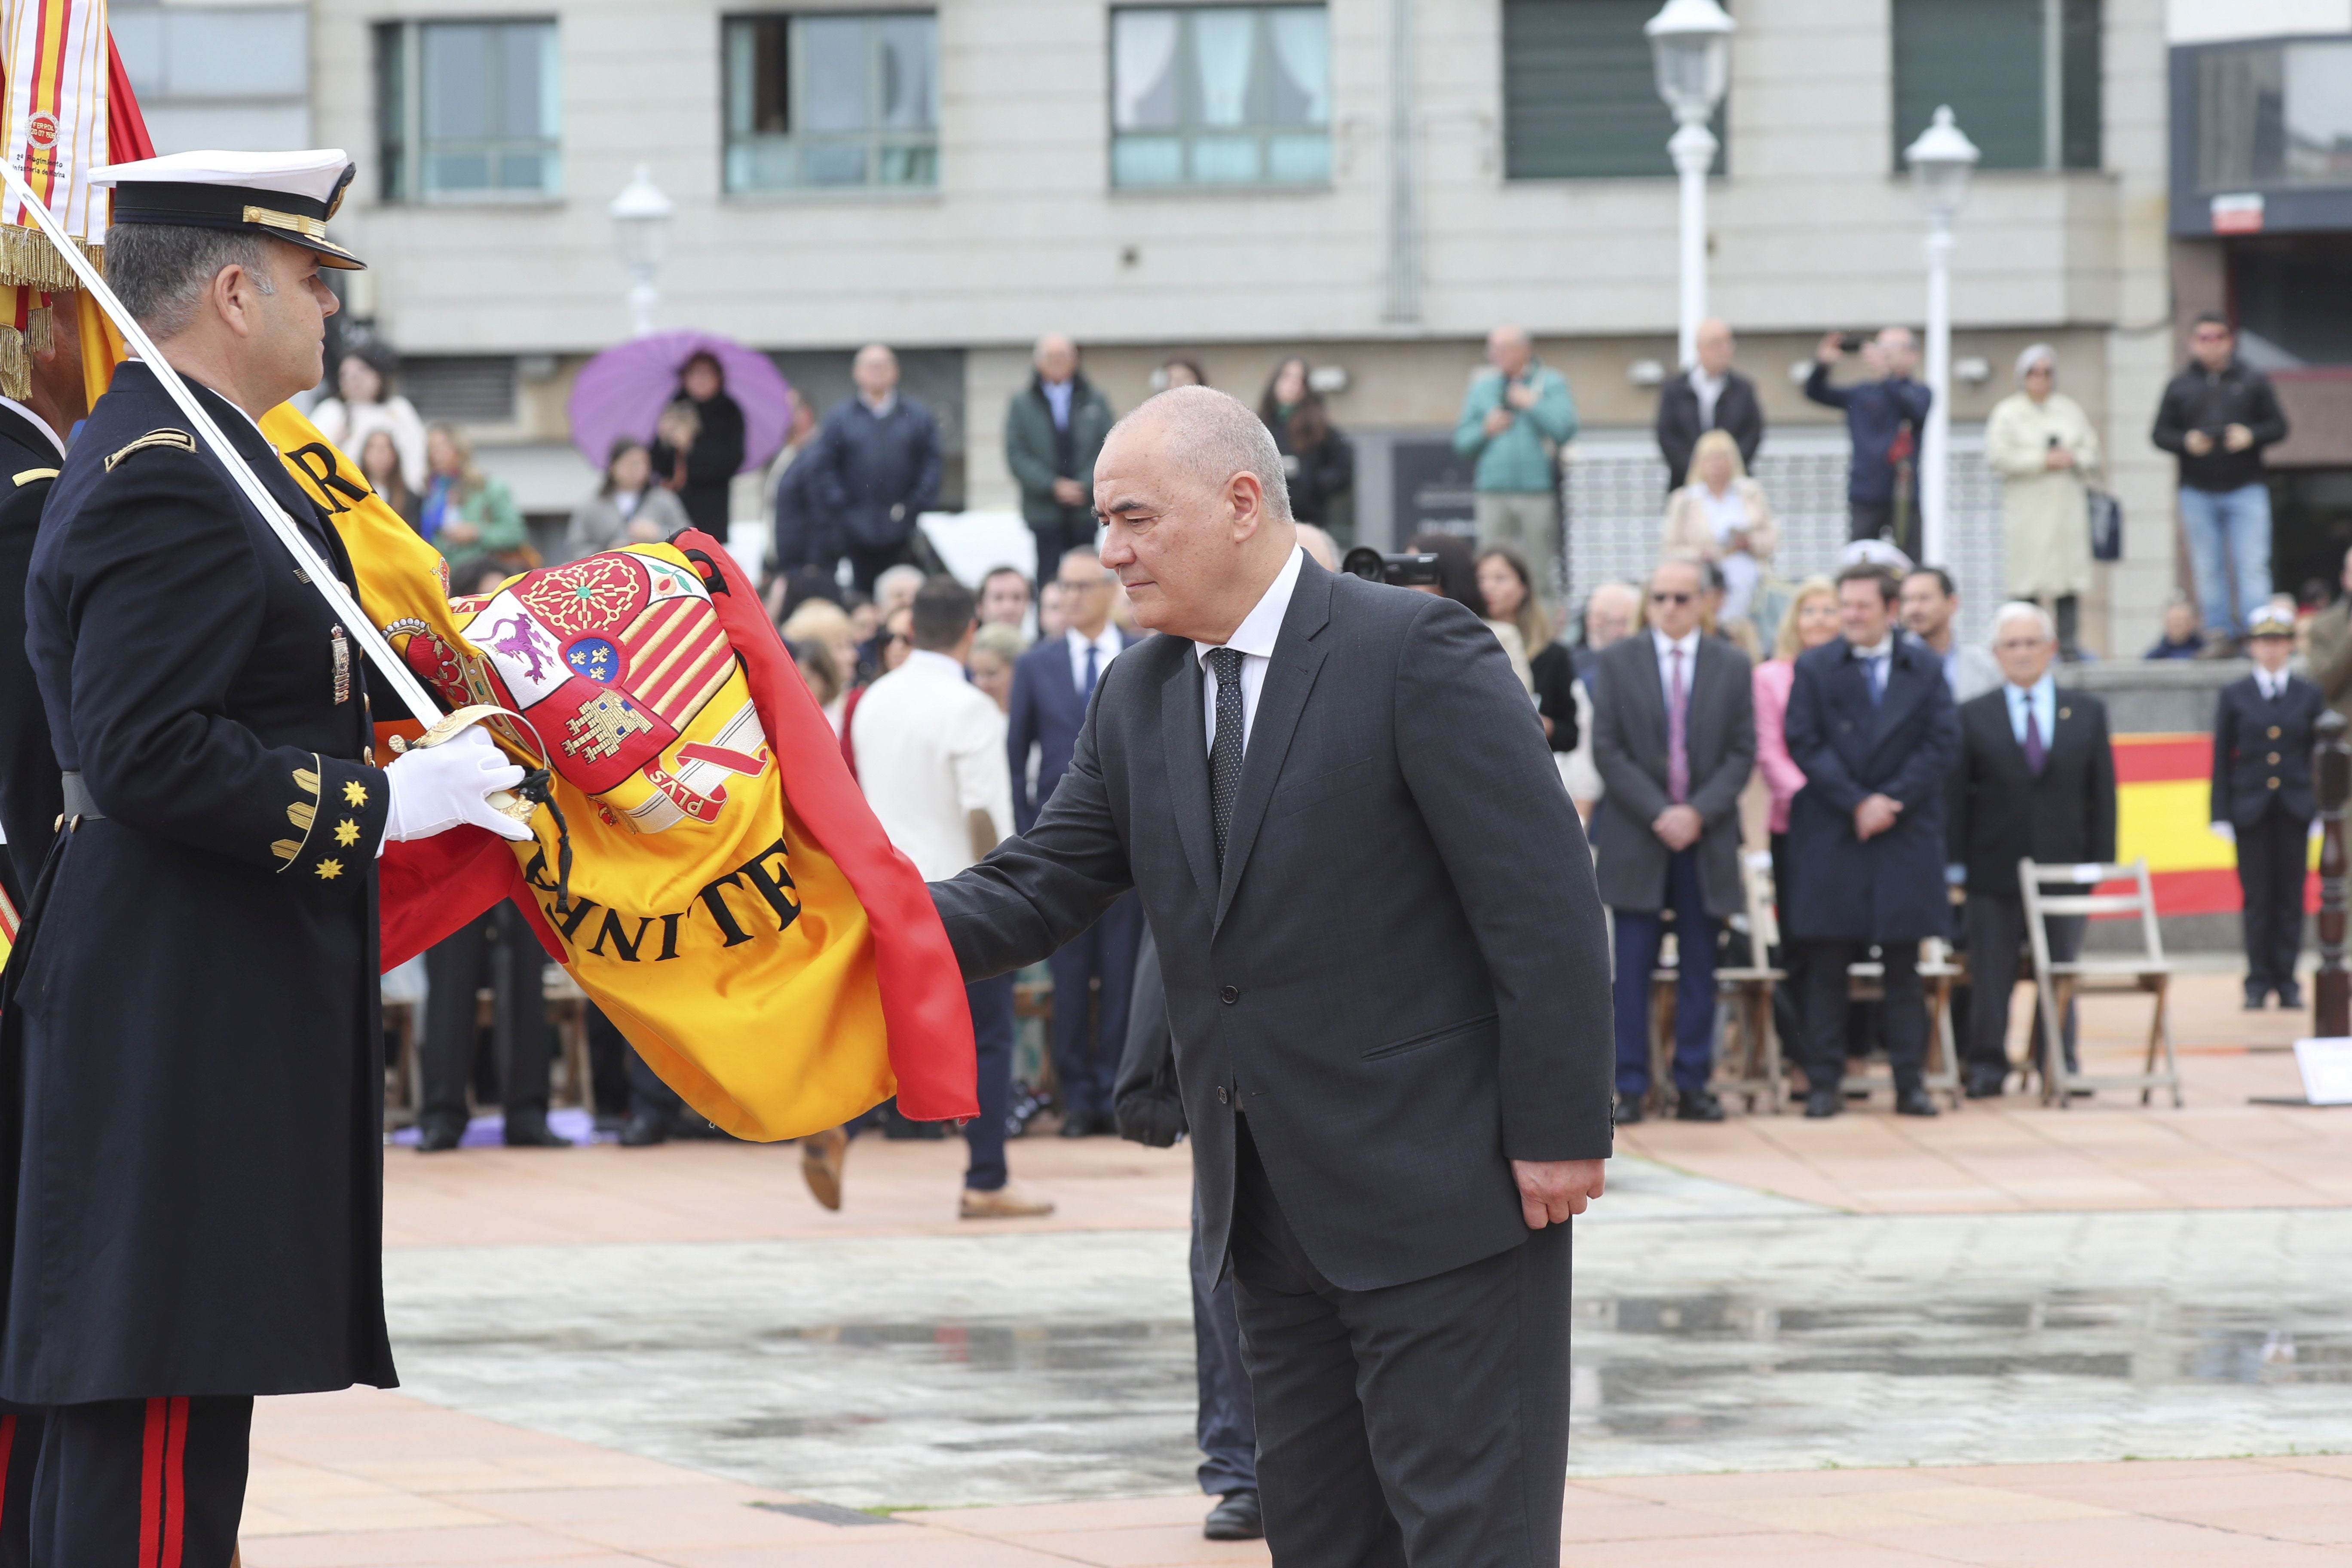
2041,443
1720,515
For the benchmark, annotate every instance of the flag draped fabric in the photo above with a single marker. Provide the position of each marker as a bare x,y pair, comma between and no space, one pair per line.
731,905
56,70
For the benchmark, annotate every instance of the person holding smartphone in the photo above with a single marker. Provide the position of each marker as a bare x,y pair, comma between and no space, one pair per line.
2041,444
2217,416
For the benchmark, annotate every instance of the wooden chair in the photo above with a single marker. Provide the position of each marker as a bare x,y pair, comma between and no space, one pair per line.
2056,984
1747,1046
567,1008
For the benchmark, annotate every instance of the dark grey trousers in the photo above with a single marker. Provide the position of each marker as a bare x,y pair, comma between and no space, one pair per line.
1996,930
1420,1426
1227,1420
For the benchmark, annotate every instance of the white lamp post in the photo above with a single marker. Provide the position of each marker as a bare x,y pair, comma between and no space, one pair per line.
1691,41
1940,161
641,221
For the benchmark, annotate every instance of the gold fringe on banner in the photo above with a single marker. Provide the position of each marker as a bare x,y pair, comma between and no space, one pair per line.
15,365
28,260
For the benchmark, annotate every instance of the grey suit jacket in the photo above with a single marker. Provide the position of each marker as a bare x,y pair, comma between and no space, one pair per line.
1401,975
1629,748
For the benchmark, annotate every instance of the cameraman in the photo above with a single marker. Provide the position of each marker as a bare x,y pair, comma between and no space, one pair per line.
1882,419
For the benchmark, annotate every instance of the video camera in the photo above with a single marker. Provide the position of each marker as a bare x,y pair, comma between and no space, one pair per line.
1410,570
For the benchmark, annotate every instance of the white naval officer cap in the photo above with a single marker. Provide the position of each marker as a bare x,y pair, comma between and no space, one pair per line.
286,196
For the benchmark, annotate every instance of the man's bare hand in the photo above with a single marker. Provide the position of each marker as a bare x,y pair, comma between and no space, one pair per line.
1498,421
1678,827
1521,395
2237,438
1829,349
1068,491
1875,816
2195,443
1550,1191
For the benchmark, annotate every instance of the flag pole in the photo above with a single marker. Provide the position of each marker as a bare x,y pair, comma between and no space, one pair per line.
321,576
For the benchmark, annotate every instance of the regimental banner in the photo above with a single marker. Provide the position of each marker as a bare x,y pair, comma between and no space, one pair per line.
731,905
55,60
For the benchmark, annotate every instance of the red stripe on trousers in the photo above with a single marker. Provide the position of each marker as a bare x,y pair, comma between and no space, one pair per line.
8,1447
151,1482
175,1484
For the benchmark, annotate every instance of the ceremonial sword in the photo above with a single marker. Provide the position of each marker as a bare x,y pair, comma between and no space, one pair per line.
439,726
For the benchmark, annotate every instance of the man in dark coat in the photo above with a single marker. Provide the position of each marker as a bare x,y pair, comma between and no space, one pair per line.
1872,728
877,468
2217,416
192,1213
2263,801
1053,684
1709,395
1674,737
1053,429
1883,417
1387,982
2036,781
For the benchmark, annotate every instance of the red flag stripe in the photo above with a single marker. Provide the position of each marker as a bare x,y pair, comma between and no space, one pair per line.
175,1483
151,1483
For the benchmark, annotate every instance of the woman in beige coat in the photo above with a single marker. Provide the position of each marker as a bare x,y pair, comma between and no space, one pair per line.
2041,443
1721,515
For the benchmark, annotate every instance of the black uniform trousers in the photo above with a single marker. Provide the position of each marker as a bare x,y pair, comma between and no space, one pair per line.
2273,856
498,950
20,1458
1087,1038
1356,1469
141,1483
1905,1022
1996,927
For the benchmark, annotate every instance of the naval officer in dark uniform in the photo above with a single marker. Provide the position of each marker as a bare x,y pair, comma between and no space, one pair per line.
2263,800
190,1056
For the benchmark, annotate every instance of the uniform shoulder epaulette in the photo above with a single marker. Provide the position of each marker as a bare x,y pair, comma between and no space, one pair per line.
164,437
23,477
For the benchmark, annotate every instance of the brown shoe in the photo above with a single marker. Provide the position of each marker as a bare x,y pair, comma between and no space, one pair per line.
822,1158
1007,1202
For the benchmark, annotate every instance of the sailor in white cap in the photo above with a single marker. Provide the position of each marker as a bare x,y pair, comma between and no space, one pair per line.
191,1142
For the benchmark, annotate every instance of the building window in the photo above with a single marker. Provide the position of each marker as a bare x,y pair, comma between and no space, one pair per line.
832,101
2274,115
469,112
1579,93
1221,95
2022,78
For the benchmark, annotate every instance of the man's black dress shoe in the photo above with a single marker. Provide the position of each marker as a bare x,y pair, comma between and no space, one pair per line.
438,1136
1822,1103
529,1130
1628,1111
1083,1124
1986,1084
1914,1102
2290,998
2255,996
644,1129
1698,1105
1236,1517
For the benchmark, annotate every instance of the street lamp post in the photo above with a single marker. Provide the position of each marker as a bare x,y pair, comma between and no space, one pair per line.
641,216
1940,162
1691,43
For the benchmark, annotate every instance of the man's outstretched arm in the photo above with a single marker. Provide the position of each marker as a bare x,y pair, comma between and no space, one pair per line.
1039,890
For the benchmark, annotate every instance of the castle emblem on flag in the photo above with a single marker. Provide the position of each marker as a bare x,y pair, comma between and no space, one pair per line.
603,721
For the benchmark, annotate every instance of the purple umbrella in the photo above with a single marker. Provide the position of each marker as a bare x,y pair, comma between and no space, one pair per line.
623,391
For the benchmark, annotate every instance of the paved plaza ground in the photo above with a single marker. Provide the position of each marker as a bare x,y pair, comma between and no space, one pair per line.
2007,1336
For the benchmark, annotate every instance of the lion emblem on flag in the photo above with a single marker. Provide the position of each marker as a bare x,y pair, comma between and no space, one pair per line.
620,664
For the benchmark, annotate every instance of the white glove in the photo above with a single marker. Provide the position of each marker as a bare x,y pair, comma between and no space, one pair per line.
435,789
2227,831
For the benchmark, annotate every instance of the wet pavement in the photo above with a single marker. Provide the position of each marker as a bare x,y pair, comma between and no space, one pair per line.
1716,1329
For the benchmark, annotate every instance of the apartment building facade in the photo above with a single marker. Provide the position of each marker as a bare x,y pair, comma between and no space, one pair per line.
1371,182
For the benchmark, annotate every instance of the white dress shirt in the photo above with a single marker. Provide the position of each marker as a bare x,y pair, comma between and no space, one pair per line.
1666,647
931,752
2044,696
1255,638
1708,390
1106,649
2271,683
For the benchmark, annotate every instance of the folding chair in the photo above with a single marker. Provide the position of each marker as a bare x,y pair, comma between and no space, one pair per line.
1938,973
2056,984
1748,1048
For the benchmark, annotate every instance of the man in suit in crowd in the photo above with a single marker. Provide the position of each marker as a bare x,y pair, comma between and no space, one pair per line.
1709,395
1674,738
1379,933
1929,603
1872,727
874,468
1053,684
2263,801
2036,781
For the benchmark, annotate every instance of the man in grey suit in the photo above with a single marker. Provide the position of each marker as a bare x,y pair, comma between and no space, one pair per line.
1388,984
1674,736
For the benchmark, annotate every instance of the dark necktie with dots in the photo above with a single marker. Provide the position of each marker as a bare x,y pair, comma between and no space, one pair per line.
1225,752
